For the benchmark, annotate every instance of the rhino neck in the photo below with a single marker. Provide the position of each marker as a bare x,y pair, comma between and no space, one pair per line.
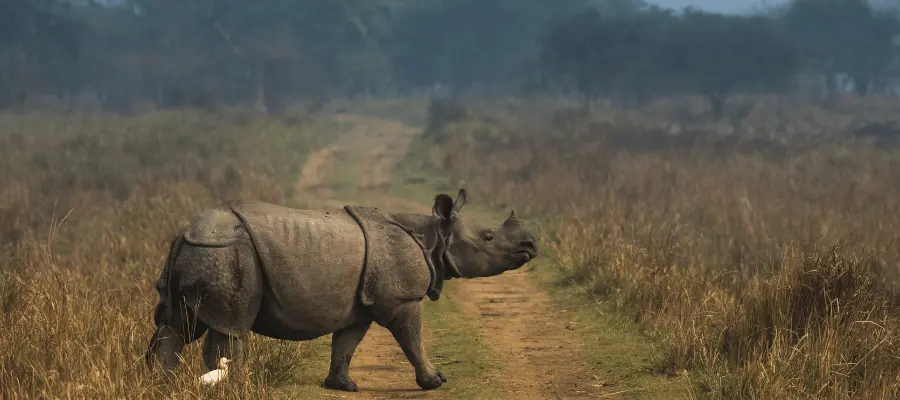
414,222
428,227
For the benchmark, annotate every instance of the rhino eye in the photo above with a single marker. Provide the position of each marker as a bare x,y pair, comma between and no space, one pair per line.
488,236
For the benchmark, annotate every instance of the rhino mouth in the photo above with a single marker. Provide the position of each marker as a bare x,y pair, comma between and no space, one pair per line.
522,256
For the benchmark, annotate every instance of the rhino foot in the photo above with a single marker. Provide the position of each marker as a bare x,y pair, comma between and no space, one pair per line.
341,383
432,382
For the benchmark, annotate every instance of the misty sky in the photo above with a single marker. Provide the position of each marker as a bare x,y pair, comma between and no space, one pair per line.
723,6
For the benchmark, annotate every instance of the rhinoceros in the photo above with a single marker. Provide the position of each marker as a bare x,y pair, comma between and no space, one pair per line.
295,274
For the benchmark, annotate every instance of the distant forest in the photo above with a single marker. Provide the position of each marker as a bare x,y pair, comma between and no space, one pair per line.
271,53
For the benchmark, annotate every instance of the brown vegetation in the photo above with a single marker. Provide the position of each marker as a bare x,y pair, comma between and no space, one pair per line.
760,251
88,205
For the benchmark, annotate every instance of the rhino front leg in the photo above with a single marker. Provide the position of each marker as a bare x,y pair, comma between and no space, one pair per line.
219,345
407,330
343,344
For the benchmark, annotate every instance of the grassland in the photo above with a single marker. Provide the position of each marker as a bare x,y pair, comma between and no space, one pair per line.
88,204
88,207
759,252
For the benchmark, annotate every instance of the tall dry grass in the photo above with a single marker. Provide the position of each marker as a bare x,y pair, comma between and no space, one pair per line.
88,205
762,261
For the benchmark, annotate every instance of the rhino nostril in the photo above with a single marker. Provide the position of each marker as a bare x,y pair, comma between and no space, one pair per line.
528,244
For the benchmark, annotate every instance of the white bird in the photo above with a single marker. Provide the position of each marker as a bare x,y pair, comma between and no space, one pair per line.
216,375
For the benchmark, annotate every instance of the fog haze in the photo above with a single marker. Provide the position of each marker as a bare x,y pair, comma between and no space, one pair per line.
722,6
278,52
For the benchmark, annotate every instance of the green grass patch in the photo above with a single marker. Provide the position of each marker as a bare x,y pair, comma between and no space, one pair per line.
619,353
306,378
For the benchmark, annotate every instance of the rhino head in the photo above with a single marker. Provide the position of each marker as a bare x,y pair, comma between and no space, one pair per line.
475,251
459,247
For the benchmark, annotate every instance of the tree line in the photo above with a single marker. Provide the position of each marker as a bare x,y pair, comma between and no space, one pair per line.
271,53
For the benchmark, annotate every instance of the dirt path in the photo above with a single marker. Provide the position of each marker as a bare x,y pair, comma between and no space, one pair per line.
370,150
539,355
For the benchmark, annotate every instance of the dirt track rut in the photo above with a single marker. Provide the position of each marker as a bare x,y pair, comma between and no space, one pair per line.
539,355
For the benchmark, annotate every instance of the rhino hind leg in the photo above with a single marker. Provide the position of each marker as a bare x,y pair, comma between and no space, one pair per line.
343,345
406,327
221,285
210,289
171,335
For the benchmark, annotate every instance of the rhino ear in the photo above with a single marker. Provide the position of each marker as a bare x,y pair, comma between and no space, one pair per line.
443,206
461,199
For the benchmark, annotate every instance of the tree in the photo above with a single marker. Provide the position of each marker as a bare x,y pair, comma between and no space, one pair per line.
640,55
606,55
467,43
38,45
844,36
717,54
225,50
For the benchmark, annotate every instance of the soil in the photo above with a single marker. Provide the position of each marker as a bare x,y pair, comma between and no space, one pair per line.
540,354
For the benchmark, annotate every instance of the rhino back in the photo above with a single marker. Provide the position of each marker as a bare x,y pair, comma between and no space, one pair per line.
214,227
312,262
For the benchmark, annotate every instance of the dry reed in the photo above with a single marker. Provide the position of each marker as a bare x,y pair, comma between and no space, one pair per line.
762,261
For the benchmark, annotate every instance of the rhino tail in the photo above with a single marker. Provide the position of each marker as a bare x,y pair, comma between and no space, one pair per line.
170,284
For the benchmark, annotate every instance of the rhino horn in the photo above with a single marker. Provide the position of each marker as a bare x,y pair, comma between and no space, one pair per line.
512,219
